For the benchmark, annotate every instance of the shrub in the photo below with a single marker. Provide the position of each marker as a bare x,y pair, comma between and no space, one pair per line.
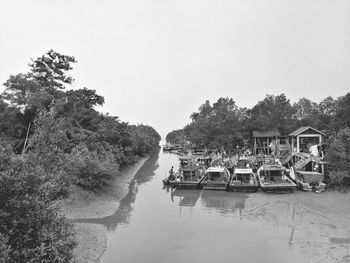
92,169
32,228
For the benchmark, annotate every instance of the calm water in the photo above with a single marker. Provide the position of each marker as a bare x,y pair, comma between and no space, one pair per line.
153,224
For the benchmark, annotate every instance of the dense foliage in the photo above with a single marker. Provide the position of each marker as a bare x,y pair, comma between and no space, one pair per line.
51,138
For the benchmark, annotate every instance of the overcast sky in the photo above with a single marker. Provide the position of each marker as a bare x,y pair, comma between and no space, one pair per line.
157,61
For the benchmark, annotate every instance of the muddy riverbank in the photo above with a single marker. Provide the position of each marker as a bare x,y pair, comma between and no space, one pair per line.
82,204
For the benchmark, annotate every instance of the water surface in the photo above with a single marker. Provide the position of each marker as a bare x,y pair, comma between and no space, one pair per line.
156,224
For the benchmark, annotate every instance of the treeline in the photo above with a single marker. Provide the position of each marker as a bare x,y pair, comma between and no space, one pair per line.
52,138
224,124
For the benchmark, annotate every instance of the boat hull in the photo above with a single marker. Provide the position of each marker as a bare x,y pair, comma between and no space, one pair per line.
243,188
182,184
278,188
307,187
215,186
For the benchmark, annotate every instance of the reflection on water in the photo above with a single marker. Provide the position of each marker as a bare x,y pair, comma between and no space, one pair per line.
185,197
224,202
122,214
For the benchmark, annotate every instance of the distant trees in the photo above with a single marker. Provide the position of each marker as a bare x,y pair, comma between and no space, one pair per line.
176,136
69,142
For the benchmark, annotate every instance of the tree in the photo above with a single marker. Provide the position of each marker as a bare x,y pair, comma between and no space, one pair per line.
273,112
342,116
32,227
216,126
307,113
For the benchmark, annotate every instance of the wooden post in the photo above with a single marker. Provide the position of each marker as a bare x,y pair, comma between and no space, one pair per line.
298,144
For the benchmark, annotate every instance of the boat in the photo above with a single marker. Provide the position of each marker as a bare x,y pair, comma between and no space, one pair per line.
216,178
244,180
310,181
188,177
273,178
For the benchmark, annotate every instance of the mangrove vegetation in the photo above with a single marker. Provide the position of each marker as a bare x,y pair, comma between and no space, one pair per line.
52,137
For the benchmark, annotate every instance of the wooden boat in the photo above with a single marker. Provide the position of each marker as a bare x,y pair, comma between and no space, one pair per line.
244,180
310,181
188,177
216,178
273,178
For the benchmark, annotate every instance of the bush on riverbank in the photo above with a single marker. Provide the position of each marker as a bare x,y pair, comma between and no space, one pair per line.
30,223
92,169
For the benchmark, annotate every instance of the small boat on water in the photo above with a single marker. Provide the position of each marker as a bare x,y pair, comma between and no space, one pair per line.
216,178
273,178
188,177
310,181
244,180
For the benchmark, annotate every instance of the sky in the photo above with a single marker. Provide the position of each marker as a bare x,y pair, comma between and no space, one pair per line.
156,61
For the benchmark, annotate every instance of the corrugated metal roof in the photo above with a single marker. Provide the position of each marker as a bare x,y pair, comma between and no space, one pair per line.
302,129
270,133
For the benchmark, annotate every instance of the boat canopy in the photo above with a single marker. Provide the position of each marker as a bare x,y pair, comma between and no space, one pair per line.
243,171
215,169
272,167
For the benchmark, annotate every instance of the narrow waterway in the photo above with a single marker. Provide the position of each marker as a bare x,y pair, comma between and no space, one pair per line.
156,224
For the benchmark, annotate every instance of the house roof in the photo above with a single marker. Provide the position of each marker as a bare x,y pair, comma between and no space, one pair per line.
303,129
270,133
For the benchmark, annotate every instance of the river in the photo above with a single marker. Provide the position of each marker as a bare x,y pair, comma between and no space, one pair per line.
157,224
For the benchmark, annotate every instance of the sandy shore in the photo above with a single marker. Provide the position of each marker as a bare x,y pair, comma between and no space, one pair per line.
81,204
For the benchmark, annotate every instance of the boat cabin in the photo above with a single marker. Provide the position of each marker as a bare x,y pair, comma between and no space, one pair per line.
191,173
273,173
243,175
217,174
243,179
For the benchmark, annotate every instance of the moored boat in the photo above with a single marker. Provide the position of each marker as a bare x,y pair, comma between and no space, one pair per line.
216,178
244,180
188,177
273,178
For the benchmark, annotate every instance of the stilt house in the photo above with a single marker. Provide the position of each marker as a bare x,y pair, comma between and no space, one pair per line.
304,137
262,140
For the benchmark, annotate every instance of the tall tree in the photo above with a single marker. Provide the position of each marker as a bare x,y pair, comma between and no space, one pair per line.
273,112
